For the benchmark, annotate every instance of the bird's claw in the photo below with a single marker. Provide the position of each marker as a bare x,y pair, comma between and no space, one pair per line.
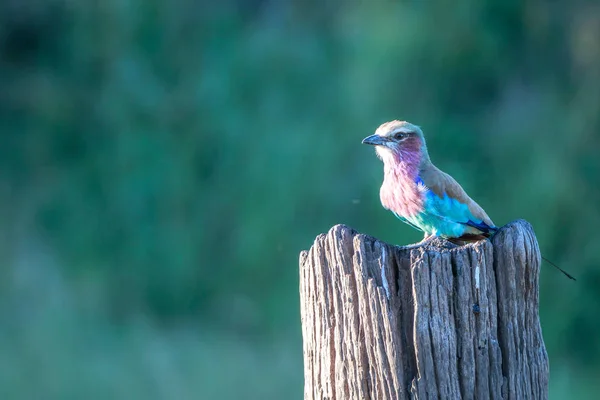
426,240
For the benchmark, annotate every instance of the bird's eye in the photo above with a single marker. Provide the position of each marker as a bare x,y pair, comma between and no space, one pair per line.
400,135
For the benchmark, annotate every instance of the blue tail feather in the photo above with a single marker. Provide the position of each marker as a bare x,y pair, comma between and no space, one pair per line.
482,226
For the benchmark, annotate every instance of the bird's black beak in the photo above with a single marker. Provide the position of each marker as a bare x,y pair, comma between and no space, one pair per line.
375,140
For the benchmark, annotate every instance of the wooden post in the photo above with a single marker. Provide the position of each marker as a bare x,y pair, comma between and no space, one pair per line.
429,322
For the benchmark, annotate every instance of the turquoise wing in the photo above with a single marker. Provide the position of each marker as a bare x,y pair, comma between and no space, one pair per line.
451,217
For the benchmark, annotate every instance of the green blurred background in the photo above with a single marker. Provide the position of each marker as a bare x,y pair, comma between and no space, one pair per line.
163,163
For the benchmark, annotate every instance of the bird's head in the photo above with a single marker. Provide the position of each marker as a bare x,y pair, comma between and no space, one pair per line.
399,141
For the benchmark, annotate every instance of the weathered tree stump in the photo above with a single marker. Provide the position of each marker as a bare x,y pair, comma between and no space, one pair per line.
430,322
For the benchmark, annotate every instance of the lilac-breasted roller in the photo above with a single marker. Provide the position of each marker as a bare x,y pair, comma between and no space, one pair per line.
418,192
422,195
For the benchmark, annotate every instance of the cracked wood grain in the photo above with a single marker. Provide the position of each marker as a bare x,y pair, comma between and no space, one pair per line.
436,321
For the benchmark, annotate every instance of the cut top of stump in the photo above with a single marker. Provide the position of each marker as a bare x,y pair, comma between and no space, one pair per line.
434,321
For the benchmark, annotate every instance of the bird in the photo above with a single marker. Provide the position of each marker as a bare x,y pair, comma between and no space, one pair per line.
419,193
422,195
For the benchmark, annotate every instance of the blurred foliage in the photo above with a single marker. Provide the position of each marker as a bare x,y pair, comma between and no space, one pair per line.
163,163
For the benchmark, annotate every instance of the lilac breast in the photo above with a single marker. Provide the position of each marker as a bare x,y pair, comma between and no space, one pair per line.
399,192
401,196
